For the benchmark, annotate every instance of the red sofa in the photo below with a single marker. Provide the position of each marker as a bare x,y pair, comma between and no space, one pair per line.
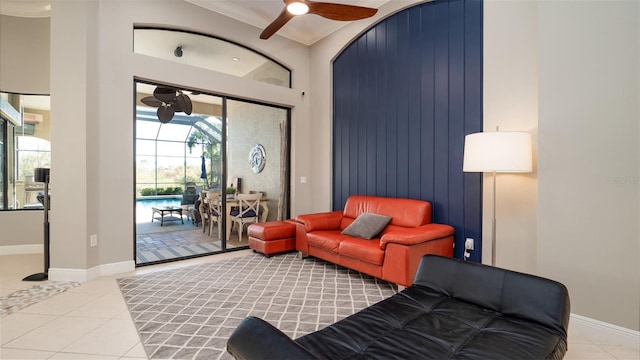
393,255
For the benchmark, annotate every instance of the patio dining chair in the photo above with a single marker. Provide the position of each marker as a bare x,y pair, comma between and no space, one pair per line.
204,214
189,199
215,214
248,211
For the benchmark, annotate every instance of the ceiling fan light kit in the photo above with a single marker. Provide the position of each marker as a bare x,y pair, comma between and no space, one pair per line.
298,8
332,11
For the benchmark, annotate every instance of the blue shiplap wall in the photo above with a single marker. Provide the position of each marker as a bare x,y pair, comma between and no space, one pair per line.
405,94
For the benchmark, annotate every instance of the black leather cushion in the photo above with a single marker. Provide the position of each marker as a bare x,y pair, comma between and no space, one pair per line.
422,324
509,292
455,310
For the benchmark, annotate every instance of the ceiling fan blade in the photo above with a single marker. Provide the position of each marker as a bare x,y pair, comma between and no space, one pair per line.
165,114
164,94
184,103
276,24
151,101
340,12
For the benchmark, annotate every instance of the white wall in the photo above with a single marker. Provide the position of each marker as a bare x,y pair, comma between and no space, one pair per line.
24,55
24,68
510,93
92,115
589,155
21,231
71,97
253,124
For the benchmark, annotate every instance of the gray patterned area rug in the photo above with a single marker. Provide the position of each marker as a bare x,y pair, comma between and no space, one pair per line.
189,313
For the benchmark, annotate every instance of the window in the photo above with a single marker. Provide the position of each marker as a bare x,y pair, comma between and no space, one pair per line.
210,53
24,146
170,155
32,153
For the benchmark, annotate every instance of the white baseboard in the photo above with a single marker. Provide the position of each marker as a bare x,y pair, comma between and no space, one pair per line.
22,249
84,275
605,333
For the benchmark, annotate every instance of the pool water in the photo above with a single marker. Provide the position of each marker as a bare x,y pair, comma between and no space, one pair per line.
143,207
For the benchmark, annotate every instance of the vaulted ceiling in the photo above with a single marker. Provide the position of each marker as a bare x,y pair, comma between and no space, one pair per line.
306,29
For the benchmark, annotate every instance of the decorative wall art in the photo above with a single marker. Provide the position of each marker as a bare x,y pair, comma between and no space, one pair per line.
257,158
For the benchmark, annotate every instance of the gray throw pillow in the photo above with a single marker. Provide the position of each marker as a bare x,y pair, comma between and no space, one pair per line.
367,225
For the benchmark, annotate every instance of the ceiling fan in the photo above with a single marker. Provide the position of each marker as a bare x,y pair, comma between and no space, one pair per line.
168,100
340,12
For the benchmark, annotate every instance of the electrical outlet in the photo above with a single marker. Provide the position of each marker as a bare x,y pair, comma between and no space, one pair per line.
93,240
468,244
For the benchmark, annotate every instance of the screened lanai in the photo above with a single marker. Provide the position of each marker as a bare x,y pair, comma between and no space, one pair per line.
168,156
213,151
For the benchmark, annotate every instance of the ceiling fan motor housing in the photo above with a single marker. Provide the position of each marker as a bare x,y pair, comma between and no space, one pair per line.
168,101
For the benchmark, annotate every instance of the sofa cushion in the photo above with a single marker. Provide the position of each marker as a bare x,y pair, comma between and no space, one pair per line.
328,240
362,249
367,225
404,212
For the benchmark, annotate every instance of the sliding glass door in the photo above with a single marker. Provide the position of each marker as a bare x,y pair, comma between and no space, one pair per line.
195,153
257,158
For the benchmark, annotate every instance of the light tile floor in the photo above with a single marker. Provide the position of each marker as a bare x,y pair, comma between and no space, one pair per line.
91,321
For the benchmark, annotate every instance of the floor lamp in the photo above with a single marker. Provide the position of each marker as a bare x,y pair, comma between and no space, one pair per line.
42,175
493,152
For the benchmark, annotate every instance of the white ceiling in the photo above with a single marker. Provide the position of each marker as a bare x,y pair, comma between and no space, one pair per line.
25,8
306,29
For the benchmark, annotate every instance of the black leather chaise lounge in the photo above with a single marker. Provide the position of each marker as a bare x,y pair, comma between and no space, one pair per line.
453,310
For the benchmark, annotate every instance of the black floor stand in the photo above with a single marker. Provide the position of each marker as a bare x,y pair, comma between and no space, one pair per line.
44,275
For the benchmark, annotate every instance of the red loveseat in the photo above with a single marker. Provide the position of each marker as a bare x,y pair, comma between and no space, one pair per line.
393,255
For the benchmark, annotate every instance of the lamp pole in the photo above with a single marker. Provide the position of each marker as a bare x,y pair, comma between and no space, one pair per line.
493,223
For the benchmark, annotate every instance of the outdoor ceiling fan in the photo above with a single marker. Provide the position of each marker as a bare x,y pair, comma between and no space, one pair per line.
340,12
168,100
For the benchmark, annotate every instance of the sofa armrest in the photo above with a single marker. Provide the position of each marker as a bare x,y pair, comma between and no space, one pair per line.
412,236
321,221
255,338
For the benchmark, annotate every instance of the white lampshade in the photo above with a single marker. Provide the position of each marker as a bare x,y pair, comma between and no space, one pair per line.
502,151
